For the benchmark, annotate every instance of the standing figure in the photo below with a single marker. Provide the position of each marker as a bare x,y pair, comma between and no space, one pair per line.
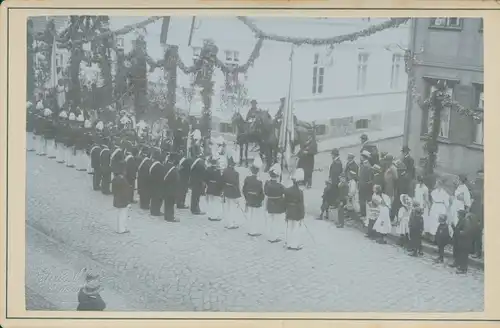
383,224
80,144
116,159
197,183
342,199
70,141
306,159
143,182
421,196
131,171
253,191
105,167
184,168
440,203
390,177
462,199
334,172
462,241
295,212
49,134
213,180
404,219
402,188
442,237
121,198
416,228
231,192
156,178
365,182
409,163
38,129
328,199
275,205
170,183
95,163
351,165
352,196
30,126
378,176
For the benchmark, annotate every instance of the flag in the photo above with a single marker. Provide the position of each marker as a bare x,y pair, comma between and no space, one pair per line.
286,134
52,81
164,29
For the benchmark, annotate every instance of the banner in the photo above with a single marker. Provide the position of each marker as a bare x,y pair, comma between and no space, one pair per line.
52,81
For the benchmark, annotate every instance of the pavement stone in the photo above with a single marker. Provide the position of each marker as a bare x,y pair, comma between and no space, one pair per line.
197,265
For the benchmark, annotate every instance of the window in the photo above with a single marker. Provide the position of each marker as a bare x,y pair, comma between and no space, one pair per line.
362,124
479,128
320,129
446,22
232,56
119,42
362,71
395,71
318,75
444,129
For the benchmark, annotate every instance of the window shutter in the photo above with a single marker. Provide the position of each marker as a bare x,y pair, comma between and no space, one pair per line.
461,126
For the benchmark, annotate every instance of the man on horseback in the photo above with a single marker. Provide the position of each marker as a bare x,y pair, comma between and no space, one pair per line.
252,112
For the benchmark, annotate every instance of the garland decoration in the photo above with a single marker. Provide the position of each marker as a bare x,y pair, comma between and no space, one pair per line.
242,68
391,23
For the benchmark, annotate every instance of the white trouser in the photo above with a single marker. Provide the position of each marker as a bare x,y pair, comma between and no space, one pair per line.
213,206
122,218
255,217
61,153
89,163
231,213
273,223
69,156
293,235
40,145
30,141
81,160
51,148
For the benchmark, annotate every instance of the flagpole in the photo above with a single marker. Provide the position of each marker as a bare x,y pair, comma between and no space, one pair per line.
286,114
191,31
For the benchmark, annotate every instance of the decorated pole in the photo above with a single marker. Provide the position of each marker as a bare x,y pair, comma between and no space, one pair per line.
284,136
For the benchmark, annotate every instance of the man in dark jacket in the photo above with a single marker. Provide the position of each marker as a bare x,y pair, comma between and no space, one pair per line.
351,165
335,171
275,206
170,183
462,235
365,184
253,191
416,227
156,176
409,163
231,192
295,211
143,180
306,159
442,237
121,198
105,166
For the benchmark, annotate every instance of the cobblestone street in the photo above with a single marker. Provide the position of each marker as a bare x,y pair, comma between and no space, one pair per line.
197,265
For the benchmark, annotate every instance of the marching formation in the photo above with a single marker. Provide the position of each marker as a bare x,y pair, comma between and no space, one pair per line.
162,176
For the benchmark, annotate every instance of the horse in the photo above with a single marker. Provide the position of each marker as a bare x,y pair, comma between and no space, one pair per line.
243,135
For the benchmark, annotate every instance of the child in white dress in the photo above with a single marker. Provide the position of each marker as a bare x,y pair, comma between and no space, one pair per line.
403,220
383,224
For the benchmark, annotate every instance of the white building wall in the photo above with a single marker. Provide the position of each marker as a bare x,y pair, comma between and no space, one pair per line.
268,80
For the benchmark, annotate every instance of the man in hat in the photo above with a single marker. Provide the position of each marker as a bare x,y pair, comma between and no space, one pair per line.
253,191
371,148
116,159
336,169
213,180
131,170
231,192
197,184
306,159
170,183
408,162
184,168
105,167
143,180
275,204
95,163
365,182
121,197
252,112
351,165
156,178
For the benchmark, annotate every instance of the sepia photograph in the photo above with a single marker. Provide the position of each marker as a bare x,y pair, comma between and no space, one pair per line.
231,163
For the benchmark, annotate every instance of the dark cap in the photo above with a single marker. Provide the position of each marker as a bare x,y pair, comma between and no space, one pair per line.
335,151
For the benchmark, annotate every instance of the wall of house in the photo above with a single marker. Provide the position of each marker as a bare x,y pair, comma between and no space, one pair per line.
268,80
456,56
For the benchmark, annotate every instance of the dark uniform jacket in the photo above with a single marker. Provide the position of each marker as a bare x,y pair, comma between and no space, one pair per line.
365,176
335,171
231,179
416,224
70,135
343,191
410,166
462,234
351,166
90,301
403,185
49,129
275,193
115,160
130,168
60,131
121,191
95,156
170,180
156,176
197,173
81,139
443,235
253,191
104,161
184,170
143,175
294,203
213,179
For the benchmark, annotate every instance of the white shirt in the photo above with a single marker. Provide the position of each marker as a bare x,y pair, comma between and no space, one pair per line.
464,191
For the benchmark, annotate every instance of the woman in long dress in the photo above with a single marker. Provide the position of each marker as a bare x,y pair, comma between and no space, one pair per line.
383,224
461,200
440,204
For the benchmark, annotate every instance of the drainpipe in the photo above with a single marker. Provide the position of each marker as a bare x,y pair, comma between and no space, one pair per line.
409,100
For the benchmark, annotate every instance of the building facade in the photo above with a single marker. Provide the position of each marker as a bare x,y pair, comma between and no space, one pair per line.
358,86
451,49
